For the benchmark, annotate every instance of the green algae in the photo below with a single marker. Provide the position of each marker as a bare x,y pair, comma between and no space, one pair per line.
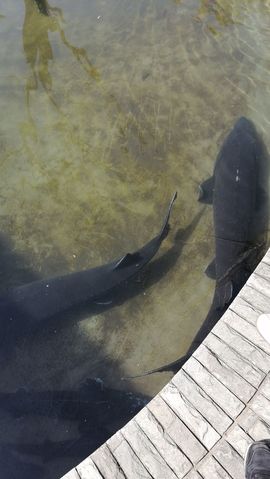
108,109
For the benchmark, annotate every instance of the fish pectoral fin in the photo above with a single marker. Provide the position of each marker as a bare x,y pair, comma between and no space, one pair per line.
225,294
103,303
206,190
128,260
210,271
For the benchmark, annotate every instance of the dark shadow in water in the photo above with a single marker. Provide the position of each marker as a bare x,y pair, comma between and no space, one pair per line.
158,268
81,418
239,194
98,412
35,305
46,9
14,269
139,283
16,466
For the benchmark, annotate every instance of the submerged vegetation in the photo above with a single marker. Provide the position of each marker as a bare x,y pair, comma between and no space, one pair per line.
109,107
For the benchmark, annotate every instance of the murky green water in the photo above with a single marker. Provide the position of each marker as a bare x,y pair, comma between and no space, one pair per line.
108,107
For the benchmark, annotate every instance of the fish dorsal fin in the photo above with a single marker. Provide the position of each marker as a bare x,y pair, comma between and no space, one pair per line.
128,260
206,190
210,271
225,294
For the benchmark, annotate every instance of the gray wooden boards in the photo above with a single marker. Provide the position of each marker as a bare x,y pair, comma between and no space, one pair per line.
201,423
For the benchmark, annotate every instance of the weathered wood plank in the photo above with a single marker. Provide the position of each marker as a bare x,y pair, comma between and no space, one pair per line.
146,451
255,298
266,258
193,475
176,429
244,307
265,387
260,284
190,416
247,419
71,475
246,329
126,458
263,269
230,357
215,389
229,460
253,425
261,406
238,439
106,463
227,376
253,301
87,470
242,345
167,448
202,402
211,469
260,430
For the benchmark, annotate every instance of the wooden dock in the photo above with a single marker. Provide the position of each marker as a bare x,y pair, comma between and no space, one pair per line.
202,421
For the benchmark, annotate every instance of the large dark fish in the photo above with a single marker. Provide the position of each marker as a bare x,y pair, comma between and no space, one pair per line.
238,191
30,304
95,410
14,465
92,402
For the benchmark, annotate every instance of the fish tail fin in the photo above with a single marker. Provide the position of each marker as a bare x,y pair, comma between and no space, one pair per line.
173,367
166,227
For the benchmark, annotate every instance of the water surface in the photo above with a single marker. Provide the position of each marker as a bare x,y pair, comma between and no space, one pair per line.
108,107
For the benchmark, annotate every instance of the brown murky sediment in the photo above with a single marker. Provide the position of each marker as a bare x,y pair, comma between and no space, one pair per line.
108,107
